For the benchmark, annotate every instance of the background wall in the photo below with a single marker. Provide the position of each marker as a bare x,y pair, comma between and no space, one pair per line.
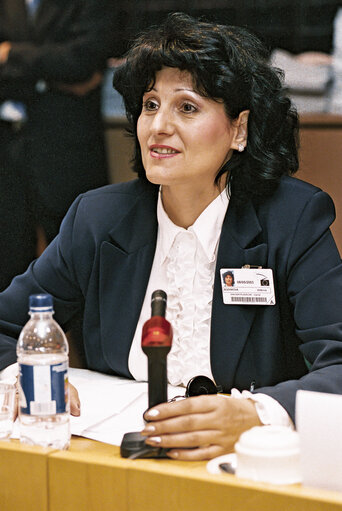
293,25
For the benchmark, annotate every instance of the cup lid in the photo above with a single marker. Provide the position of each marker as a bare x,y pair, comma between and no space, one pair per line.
268,439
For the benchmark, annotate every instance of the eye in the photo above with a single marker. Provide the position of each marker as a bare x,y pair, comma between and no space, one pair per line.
188,108
150,105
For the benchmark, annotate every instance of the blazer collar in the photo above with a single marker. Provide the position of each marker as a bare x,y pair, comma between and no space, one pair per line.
242,223
134,231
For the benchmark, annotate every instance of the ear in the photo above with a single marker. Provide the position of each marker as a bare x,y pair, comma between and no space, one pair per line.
240,124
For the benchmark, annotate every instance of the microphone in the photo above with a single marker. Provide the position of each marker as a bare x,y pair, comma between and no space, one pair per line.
156,341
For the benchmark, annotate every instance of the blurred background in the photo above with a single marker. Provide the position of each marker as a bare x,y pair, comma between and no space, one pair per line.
293,25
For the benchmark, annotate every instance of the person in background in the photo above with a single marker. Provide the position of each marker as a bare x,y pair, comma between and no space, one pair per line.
215,144
52,56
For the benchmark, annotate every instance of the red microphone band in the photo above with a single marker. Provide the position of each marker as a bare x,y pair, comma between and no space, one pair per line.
157,332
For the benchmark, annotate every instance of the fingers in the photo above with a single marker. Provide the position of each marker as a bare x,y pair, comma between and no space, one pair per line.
196,445
198,404
75,405
199,427
189,440
189,428
182,424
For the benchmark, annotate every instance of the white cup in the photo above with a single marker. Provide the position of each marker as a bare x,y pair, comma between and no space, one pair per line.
270,454
7,402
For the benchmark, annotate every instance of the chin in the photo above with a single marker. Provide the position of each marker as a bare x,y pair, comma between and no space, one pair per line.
158,178
154,178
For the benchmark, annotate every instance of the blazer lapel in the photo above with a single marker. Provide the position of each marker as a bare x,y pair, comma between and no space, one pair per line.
125,268
231,324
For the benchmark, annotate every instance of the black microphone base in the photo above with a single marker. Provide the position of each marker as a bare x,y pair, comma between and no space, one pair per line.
133,446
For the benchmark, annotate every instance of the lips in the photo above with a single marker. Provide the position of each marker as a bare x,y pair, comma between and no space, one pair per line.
159,151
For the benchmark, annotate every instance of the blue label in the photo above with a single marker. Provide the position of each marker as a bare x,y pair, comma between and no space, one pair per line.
43,389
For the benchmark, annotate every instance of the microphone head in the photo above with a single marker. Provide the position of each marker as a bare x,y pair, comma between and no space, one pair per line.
159,294
158,302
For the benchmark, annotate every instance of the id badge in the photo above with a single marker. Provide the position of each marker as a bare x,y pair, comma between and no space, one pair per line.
247,286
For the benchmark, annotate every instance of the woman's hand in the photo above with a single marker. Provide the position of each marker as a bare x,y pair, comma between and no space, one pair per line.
201,427
75,405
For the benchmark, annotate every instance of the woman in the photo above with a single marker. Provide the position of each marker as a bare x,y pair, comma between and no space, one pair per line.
215,140
228,278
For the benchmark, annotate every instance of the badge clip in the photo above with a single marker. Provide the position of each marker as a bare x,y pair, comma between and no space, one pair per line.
251,266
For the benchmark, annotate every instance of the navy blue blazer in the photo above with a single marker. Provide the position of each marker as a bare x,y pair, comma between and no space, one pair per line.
100,264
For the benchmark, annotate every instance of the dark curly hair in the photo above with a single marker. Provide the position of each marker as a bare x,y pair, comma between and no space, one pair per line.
226,63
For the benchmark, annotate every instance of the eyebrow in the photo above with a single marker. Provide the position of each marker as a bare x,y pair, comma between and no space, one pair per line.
177,90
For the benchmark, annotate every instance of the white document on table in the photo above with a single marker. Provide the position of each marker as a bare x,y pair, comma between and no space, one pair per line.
110,406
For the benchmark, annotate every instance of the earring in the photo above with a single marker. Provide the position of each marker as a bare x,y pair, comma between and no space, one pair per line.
241,148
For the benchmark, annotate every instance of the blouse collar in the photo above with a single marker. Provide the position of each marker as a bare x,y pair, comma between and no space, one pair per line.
207,227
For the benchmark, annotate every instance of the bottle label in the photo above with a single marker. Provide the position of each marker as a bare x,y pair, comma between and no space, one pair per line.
43,389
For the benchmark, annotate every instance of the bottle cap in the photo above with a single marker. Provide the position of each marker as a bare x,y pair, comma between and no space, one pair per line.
41,303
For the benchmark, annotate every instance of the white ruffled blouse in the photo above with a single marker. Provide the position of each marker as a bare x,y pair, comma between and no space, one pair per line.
184,266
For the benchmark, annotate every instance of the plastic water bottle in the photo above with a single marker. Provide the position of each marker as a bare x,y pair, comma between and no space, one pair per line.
42,351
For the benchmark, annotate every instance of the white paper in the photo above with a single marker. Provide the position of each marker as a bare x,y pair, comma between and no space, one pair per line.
319,423
110,406
101,397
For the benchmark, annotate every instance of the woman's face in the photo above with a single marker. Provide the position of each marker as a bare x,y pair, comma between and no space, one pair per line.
228,280
184,137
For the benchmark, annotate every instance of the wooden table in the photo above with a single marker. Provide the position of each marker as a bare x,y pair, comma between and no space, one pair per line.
92,476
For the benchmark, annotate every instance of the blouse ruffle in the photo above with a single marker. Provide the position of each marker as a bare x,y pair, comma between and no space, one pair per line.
190,278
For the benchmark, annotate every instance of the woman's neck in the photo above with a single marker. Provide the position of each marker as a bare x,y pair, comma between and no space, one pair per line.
184,205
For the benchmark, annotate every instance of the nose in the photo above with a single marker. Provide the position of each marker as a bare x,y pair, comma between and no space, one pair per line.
162,123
